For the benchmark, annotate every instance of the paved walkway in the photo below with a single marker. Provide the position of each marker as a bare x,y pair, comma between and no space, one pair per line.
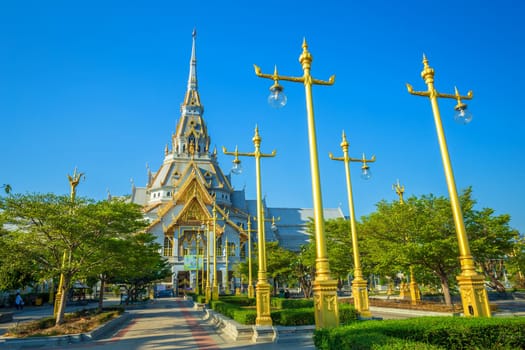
173,323
170,323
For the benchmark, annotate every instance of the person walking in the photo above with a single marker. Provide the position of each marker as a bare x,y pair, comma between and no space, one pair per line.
19,302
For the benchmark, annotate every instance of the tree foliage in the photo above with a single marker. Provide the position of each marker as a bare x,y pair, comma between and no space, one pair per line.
48,235
421,233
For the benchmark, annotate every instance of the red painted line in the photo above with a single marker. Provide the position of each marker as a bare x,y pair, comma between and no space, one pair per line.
123,331
201,336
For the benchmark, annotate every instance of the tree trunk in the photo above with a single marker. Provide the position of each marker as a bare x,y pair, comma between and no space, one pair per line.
101,293
494,282
306,286
62,307
446,290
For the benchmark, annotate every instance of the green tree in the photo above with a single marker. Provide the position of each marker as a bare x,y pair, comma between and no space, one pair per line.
47,227
141,265
516,263
421,233
303,267
278,264
338,240
492,240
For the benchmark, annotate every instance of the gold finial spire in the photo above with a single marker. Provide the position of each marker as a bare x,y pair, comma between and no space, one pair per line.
256,138
344,143
399,190
428,72
74,181
306,57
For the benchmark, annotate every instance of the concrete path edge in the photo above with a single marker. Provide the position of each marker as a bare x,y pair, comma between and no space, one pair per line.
71,338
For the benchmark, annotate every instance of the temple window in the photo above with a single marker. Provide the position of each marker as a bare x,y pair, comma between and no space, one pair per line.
168,247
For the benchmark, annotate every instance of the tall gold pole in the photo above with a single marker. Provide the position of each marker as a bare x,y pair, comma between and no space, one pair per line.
324,287
202,268
415,295
359,284
208,287
262,287
197,288
73,182
251,292
226,285
215,288
471,284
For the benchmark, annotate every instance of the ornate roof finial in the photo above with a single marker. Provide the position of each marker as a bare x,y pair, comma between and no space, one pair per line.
192,79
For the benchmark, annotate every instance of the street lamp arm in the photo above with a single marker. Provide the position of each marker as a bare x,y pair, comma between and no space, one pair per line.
469,96
371,160
236,153
349,159
262,155
417,93
330,81
274,76
331,156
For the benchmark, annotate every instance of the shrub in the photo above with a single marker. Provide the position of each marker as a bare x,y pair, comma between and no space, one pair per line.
296,313
347,314
201,299
282,303
427,333
239,300
296,317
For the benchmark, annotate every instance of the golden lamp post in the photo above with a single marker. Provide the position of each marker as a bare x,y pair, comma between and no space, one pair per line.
359,284
251,293
73,183
203,227
471,284
324,287
225,278
207,289
415,295
262,287
197,251
215,287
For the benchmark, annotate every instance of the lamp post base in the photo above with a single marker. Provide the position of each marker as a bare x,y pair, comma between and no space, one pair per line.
325,304
215,293
251,291
263,304
415,295
208,293
360,294
474,296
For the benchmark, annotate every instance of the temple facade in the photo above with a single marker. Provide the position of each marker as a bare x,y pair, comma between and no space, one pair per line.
191,204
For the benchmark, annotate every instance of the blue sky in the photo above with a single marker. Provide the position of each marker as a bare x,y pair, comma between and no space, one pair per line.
98,85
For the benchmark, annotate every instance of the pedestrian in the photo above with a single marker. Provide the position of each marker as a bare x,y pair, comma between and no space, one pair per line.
19,302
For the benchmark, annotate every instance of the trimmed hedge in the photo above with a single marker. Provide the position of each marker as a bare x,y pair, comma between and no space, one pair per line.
201,299
282,303
239,300
426,333
235,312
294,315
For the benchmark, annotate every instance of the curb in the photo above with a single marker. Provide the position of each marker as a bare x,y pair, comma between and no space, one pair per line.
409,312
14,343
257,334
